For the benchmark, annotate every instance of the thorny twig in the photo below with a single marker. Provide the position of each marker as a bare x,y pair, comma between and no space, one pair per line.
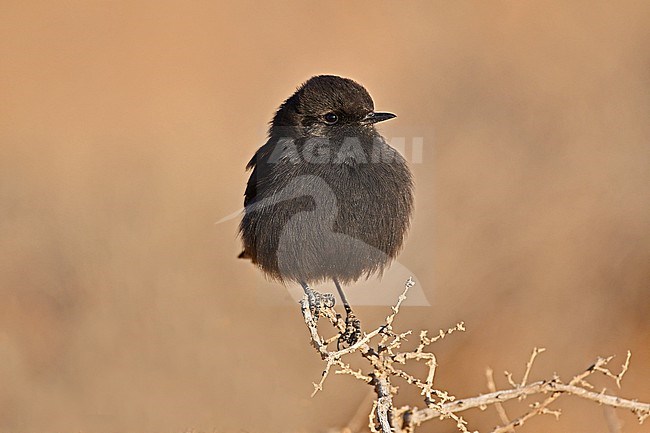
503,416
383,356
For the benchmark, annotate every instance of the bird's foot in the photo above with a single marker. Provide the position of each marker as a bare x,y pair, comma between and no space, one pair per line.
317,301
327,300
352,332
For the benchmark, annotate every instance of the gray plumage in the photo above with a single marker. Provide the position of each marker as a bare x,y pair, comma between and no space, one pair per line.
327,198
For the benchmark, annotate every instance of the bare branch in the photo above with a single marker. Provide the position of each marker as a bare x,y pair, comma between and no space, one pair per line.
381,350
384,403
642,410
503,416
529,364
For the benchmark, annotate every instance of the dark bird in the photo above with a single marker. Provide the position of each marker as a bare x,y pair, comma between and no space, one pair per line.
328,198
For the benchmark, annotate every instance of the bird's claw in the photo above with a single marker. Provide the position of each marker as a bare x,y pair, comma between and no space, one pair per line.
352,332
317,301
328,300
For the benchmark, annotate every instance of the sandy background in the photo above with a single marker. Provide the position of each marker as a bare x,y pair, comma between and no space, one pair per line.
124,131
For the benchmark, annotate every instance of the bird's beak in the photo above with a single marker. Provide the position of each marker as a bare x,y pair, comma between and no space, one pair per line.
374,117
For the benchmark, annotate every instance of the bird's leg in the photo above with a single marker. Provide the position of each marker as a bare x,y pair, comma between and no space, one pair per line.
313,299
317,300
352,331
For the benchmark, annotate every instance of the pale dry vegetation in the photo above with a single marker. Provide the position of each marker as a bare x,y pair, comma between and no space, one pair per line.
384,355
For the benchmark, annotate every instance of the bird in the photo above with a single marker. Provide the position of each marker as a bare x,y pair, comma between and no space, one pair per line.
328,198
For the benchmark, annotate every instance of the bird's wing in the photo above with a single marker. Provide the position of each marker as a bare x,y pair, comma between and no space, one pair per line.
259,173
272,165
251,186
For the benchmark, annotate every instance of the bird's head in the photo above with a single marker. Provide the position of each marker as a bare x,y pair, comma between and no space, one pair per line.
330,107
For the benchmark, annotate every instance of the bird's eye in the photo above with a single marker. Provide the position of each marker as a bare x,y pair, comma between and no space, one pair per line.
331,118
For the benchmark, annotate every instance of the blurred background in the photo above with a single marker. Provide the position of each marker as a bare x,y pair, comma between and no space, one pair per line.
124,131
